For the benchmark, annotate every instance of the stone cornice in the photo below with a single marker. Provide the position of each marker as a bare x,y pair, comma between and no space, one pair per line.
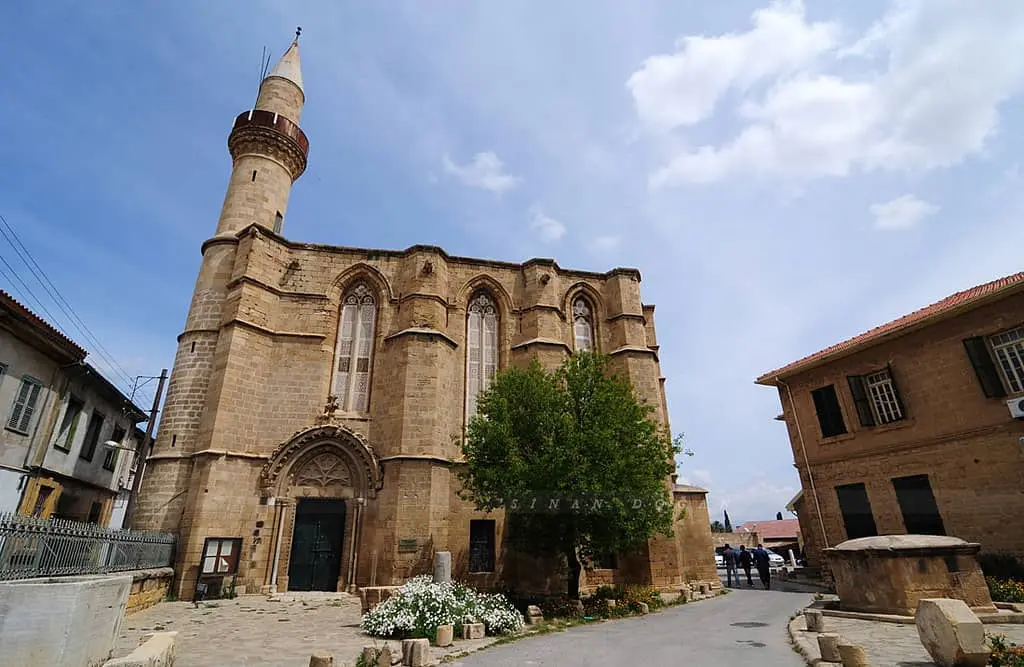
422,331
267,142
272,332
218,240
627,349
626,316
227,453
277,291
377,253
549,342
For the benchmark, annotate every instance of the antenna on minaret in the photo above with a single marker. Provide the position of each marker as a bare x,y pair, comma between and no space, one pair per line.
264,67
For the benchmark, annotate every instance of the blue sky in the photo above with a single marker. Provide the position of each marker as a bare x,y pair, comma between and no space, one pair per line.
784,175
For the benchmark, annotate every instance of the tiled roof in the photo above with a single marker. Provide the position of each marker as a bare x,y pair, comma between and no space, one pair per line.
42,326
771,529
936,310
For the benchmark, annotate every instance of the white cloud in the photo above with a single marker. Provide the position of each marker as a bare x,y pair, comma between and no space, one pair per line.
920,90
547,228
486,172
683,88
696,477
604,243
901,213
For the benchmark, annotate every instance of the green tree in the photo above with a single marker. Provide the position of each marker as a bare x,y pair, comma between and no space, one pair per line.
717,527
577,462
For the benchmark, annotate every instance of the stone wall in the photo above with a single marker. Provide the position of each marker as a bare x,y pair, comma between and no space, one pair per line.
967,444
749,540
149,587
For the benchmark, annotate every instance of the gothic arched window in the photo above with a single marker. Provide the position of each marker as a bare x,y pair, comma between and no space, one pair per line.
481,348
355,349
582,324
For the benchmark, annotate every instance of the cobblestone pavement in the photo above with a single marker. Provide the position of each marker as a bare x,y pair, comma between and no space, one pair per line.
253,630
890,644
745,627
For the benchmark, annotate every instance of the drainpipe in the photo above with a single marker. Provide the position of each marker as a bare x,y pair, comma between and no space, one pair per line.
803,449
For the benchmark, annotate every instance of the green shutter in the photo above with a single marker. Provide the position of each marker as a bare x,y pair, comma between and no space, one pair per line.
984,367
861,400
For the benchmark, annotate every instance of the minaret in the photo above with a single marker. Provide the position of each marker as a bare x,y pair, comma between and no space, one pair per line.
268,152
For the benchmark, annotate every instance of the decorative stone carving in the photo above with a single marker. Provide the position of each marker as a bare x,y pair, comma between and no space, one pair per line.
323,469
367,474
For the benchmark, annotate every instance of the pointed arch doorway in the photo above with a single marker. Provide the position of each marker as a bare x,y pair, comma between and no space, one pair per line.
321,479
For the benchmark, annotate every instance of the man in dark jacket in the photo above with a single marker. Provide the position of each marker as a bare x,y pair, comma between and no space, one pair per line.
746,561
729,556
763,563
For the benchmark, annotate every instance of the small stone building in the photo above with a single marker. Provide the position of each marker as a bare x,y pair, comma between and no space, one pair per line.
310,438
915,426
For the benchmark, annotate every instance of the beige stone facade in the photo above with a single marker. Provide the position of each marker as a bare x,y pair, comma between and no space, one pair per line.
309,372
916,434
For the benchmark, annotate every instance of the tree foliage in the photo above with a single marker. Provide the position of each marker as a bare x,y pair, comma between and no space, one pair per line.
578,463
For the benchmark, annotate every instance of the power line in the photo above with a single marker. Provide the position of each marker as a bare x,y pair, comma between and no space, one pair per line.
61,302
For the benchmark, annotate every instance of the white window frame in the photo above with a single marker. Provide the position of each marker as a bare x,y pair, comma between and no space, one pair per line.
582,318
357,322
23,408
481,343
1008,353
882,395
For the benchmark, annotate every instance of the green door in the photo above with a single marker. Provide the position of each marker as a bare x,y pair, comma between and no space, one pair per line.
316,545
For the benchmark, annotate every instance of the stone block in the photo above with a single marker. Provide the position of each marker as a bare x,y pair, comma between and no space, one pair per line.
828,646
610,604
415,652
445,635
156,650
853,656
321,660
644,609
951,633
442,567
534,615
473,631
815,620
376,657
702,589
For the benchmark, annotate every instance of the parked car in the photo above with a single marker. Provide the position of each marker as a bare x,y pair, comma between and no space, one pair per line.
719,560
774,559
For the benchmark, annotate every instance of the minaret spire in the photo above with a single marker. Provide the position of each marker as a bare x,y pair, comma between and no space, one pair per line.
289,67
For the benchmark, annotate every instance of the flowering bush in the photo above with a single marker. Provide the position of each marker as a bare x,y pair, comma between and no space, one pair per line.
1004,653
1005,590
418,607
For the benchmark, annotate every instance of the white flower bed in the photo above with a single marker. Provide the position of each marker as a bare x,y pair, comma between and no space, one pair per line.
418,607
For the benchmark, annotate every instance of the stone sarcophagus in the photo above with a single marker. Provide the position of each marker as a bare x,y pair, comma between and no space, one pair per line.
888,574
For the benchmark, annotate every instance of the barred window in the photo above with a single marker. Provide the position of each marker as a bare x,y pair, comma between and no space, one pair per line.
583,324
355,349
884,400
481,348
1009,351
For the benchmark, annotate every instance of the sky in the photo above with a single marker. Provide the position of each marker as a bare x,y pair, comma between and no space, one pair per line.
785,175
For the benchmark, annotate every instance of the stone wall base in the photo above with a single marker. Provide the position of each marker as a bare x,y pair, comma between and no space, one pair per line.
149,587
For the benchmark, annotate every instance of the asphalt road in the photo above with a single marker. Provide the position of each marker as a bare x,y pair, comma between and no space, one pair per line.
745,627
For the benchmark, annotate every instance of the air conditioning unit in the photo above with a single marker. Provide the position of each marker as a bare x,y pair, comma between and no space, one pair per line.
1016,406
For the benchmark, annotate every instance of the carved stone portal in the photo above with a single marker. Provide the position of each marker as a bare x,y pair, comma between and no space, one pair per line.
323,469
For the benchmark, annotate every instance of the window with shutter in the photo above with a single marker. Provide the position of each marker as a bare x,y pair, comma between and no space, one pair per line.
984,367
1009,352
481,348
24,406
356,328
583,324
69,424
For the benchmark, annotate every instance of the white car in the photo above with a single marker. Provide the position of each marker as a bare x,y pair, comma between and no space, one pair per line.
774,559
719,560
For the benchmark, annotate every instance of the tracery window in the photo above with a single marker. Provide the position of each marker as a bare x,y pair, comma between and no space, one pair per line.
583,324
481,348
355,349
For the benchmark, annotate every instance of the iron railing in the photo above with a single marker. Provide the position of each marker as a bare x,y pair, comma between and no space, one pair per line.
32,547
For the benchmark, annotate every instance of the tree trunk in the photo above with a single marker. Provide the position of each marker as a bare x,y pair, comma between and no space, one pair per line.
573,585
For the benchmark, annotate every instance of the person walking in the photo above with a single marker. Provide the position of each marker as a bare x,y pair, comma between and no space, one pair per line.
729,556
762,562
746,561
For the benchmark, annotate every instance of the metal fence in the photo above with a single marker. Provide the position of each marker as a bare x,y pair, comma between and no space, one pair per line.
32,547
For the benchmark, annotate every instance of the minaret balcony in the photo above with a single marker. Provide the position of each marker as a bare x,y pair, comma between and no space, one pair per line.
256,118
